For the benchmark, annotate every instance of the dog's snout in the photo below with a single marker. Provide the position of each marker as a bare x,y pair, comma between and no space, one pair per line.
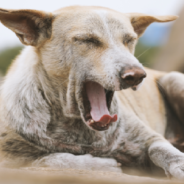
133,76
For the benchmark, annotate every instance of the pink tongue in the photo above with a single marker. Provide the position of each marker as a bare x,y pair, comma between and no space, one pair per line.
99,111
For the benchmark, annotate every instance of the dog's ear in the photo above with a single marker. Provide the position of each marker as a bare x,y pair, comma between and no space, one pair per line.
141,21
31,26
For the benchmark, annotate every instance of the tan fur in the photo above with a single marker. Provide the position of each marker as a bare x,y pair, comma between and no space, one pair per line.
147,99
43,98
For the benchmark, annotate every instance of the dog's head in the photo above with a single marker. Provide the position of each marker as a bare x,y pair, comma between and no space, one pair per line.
88,51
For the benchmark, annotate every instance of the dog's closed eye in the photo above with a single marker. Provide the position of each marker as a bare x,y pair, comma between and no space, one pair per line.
87,40
93,41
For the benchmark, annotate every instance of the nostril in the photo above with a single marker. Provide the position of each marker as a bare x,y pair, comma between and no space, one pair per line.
129,78
133,76
128,74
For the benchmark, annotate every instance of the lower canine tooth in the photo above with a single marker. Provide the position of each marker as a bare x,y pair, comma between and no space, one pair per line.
91,121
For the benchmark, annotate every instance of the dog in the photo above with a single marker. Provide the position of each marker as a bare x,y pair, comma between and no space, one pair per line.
76,97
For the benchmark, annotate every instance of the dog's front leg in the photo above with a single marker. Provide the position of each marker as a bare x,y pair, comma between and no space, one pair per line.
84,162
159,150
164,155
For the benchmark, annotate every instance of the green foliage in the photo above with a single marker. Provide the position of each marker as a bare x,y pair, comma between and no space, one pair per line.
145,54
7,56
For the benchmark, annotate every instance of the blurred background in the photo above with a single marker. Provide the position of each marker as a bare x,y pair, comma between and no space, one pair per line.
161,47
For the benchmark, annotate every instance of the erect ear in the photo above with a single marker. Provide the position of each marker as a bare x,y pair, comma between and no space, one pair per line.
31,26
141,21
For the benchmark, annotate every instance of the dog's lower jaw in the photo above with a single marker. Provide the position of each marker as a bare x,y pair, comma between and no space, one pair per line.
100,126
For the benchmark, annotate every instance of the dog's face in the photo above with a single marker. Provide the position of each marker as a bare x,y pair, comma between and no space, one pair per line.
88,51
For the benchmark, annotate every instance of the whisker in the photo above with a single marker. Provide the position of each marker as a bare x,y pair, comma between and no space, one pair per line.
144,52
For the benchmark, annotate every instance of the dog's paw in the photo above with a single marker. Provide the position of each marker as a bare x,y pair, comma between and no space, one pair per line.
176,169
105,164
84,162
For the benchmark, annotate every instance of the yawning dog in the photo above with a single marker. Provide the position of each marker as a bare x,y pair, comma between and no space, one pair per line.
70,99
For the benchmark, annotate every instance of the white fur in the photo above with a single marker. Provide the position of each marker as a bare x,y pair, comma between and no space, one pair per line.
30,102
117,57
20,88
83,162
168,158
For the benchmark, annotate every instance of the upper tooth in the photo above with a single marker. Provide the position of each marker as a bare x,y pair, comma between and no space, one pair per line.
91,121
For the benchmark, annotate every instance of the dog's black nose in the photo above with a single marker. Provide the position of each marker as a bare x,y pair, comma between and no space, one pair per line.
133,76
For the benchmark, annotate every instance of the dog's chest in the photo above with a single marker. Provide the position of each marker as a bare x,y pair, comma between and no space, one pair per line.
75,132
112,143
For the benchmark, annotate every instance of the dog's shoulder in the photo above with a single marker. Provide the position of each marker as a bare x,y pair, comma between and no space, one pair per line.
147,102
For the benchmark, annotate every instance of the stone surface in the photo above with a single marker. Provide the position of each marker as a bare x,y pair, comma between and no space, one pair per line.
52,176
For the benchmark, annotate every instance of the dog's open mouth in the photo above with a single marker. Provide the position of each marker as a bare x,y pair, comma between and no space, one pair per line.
97,102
